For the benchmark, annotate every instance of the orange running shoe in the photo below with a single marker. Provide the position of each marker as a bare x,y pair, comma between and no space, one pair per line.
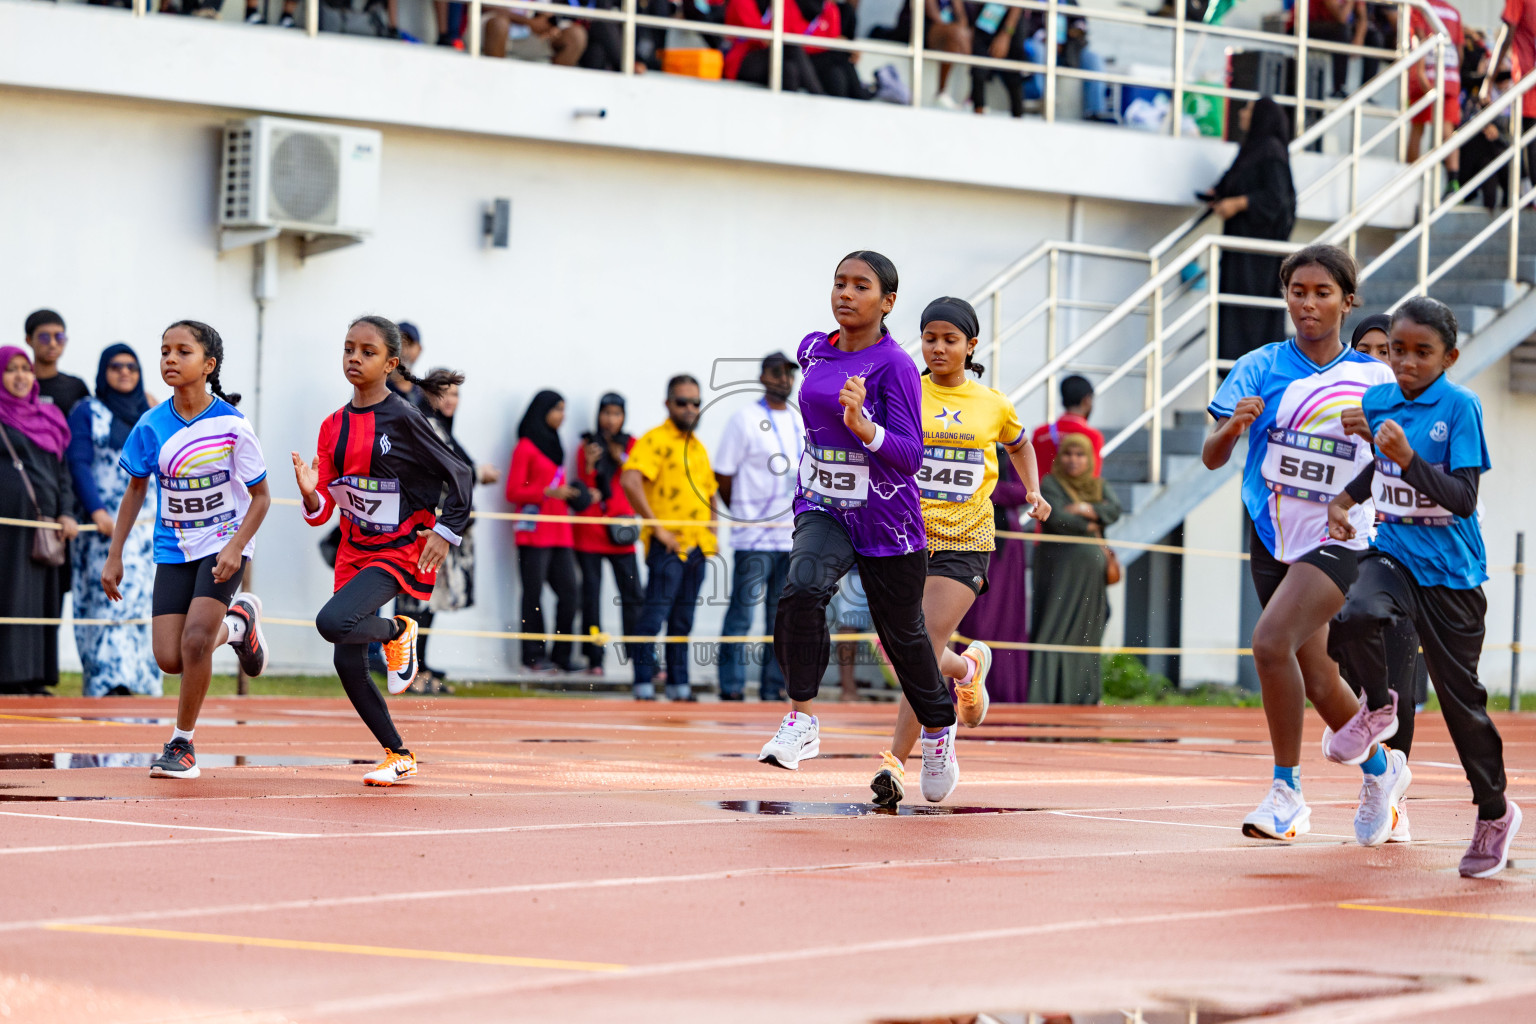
889,782
395,767
971,699
400,656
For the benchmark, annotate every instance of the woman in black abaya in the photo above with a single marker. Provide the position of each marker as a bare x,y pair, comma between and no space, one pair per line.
1257,199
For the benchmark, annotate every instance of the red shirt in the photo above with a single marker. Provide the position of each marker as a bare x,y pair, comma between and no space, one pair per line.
1421,30
531,472
594,538
1520,16
748,14
1045,442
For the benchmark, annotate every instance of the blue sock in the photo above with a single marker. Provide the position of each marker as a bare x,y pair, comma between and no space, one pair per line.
1376,764
1290,776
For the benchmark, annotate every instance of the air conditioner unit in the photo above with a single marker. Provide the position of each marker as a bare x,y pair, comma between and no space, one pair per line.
319,180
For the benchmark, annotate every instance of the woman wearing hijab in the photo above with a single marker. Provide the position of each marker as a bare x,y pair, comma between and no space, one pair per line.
537,484
34,484
598,462
115,660
455,589
1257,199
1071,603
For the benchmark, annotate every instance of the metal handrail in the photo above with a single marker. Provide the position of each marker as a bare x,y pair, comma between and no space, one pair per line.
1295,43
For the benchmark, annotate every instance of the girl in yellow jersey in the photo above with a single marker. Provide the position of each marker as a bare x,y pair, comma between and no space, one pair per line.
963,423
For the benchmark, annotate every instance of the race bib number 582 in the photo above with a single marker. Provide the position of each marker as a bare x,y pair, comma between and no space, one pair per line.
193,502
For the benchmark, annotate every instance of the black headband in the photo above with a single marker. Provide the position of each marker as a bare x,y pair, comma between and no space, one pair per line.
1375,322
954,311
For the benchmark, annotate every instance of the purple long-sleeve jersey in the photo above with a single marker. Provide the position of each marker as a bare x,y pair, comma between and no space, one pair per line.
871,492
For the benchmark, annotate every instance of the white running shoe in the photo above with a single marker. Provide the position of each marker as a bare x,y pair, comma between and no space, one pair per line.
400,657
945,101
798,738
1401,833
971,700
1283,814
941,768
1379,798
394,768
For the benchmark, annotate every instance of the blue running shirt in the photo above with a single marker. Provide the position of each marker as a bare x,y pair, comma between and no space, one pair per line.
1298,455
1444,426
204,468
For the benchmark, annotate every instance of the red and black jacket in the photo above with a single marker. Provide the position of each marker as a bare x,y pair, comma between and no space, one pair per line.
387,462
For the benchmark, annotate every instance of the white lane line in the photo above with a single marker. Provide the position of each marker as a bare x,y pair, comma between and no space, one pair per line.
1181,824
412,896
159,825
1412,1005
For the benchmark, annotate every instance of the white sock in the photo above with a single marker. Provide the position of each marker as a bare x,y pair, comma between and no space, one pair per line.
970,670
182,734
236,628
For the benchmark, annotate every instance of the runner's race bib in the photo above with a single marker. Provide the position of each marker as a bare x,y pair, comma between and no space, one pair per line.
372,504
194,502
834,477
1397,502
951,474
1308,466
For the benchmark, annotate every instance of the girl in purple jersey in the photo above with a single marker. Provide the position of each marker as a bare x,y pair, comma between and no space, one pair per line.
858,504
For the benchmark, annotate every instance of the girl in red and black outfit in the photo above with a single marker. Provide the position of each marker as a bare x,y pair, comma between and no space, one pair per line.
381,463
598,461
537,483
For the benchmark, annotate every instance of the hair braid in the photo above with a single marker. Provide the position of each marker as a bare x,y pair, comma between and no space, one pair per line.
434,383
213,348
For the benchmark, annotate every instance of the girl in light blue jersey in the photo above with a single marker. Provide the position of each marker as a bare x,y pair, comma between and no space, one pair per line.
1426,566
1290,397
213,496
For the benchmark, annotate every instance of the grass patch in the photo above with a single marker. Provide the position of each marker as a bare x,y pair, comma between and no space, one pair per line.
1127,681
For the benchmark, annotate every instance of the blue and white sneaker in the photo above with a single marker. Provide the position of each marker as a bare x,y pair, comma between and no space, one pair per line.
1380,797
1283,814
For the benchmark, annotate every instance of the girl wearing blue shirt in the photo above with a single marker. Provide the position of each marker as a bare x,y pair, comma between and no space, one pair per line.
1427,564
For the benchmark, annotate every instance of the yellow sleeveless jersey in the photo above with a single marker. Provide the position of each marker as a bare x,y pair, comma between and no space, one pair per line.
961,430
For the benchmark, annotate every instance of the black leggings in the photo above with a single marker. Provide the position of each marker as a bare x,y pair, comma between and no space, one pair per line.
1450,628
626,573
821,557
350,620
557,567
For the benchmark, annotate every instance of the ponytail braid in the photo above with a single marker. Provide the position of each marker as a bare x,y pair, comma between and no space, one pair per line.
433,383
213,348
971,364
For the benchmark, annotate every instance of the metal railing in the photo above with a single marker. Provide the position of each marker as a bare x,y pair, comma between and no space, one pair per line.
1295,45
1171,337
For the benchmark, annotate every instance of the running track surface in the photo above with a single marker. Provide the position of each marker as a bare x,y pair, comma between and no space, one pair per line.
575,860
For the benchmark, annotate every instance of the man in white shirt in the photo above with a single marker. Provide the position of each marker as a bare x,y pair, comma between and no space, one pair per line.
757,466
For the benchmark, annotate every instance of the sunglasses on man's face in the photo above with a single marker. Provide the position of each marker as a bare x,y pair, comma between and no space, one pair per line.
49,337
123,367
686,402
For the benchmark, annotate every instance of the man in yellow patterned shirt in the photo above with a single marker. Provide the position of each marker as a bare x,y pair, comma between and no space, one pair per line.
668,476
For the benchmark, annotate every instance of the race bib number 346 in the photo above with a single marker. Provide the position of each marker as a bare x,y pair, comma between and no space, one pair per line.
371,503
1308,466
194,502
834,477
951,474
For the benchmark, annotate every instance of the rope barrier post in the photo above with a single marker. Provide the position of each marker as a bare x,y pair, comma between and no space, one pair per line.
1514,647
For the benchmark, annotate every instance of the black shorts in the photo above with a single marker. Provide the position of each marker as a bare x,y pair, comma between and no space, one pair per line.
968,567
177,583
1340,564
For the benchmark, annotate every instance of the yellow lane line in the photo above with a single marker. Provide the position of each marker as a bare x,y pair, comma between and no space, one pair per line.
63,718
1425,912
342,947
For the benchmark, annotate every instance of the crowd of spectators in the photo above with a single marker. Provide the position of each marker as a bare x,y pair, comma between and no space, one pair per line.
67,440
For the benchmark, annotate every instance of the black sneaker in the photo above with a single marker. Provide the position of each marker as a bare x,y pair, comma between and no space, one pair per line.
252,649
176,761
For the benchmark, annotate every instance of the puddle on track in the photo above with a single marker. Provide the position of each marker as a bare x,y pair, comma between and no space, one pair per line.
1184,740
848,810
22,761
34,798
158,720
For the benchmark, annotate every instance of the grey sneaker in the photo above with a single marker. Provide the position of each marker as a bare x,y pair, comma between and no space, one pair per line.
178,761
1282,814
941,768
1489,851
1352,744
798,738
1380,797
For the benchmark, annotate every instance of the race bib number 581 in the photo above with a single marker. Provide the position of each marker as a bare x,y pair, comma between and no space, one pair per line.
1308,466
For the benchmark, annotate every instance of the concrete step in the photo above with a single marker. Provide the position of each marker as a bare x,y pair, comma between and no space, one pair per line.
1498,293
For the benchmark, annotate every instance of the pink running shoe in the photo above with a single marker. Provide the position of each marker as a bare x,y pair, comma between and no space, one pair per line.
1489,851
1352,744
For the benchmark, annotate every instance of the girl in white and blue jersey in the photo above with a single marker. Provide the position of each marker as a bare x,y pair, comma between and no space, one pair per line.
213,496
1290,397
1426,566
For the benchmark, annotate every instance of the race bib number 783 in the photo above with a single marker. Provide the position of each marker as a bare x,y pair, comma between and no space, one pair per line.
834,477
